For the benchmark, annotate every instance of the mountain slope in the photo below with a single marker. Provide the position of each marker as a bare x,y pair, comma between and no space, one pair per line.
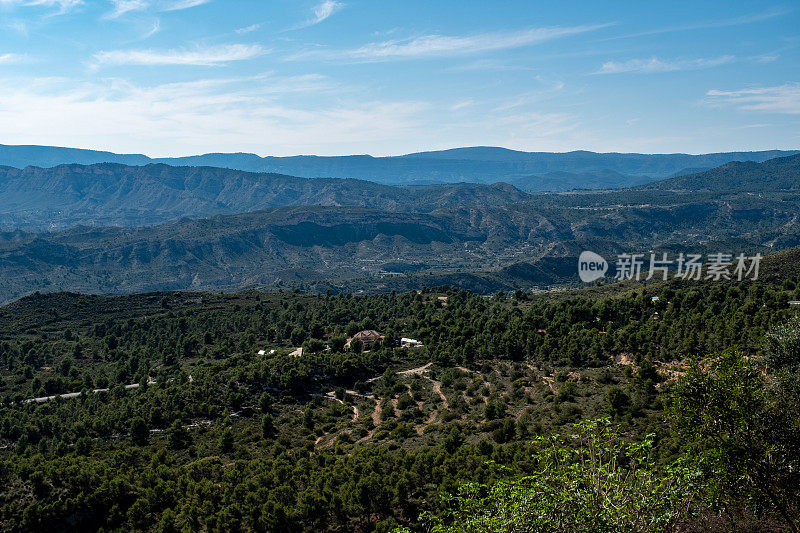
368,236
779,174
483,248
114,194
562,171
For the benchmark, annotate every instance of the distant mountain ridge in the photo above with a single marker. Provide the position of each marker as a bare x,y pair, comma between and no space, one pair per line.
106,194
114,194
531,171
779,174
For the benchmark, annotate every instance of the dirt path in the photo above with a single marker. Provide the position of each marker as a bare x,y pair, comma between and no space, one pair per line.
70,395
332,396
413,371
437,388
430,420
376,420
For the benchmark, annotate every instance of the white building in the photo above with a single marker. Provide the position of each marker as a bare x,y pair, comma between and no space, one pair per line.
409,343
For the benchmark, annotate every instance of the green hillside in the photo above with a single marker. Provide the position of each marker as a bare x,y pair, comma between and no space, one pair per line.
215,436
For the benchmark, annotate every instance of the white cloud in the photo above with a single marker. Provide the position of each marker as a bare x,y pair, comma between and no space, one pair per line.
487,64
325,10
152,31
445,45
209,56
722,23
181,4
63,6
655,64
6,59
321,12
766,58
462,104
18,26
784,99
549,88
121,7
538,124
248,29
442,45
264,114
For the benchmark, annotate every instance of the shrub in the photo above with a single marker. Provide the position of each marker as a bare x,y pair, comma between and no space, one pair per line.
590,481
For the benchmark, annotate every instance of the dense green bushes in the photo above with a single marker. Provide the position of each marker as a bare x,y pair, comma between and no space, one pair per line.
591,480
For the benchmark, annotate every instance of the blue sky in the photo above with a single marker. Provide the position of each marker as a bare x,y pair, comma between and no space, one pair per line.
280,77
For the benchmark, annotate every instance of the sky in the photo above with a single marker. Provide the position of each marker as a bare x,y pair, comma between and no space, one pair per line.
333,77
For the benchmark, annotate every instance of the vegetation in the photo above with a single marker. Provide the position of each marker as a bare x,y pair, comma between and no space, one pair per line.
180,425
592,481
740,421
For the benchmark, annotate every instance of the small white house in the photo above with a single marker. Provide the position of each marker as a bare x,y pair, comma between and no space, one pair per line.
409,343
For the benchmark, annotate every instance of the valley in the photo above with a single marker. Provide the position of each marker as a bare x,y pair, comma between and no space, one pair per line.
483,238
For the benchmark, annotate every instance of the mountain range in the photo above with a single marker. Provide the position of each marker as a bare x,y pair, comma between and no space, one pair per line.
531,171
38,198
355,235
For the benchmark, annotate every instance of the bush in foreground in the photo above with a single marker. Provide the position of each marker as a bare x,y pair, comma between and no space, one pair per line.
592,480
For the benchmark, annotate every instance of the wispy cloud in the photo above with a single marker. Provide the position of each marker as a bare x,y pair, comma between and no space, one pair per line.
152,31
766,58
325,10
443,45
259,113
462,104
655,64
784,99
6,59
722,23
181,4
122,7
63,6
248,29
487,64
17,26
446,45
209,56
538,125
321,12
125,6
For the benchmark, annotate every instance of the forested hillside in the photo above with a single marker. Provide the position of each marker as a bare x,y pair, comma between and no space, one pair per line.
198,411
779,174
